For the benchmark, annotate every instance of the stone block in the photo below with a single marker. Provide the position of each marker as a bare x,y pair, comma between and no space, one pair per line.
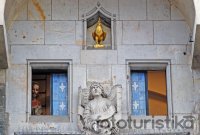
16,89
39,10
24,32
87,5
136,52
179,108
137,32
71,52
21,11
79,33
176,14
174,53
79,79
171,32
132,9
98,57
17,116
182,88
99,73
119,30
60,32
158,10
119,77
64,9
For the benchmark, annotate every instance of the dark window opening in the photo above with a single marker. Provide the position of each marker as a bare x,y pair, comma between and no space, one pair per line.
49,92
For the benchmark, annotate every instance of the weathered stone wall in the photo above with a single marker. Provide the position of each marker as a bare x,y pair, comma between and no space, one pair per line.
3,52
3,115
53,29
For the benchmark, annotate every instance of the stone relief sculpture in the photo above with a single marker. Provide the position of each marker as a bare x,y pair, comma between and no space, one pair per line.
98,109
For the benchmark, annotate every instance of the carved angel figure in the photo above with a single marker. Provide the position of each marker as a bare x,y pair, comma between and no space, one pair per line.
98,110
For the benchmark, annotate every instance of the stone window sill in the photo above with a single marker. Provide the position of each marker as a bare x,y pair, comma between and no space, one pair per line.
49,118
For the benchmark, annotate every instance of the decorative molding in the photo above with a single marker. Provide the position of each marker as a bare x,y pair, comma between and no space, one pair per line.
98,8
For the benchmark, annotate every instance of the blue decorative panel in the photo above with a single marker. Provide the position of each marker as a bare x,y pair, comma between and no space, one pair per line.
59,94
138,88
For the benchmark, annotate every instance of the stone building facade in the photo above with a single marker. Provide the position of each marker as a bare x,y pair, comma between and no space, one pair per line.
145,34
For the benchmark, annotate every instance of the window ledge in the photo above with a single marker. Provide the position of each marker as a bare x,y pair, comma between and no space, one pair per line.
49,118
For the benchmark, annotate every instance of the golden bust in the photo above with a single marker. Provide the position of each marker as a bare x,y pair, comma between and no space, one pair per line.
99,35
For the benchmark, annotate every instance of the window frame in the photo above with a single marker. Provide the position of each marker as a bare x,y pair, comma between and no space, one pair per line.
48,64
145,65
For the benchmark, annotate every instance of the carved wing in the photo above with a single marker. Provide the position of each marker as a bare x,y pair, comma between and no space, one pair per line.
83,96
83,100
115,96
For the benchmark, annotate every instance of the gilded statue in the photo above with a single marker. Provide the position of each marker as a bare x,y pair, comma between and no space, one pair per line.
99,35
97,109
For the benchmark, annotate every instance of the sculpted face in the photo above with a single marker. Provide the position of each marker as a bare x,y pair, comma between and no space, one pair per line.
96,90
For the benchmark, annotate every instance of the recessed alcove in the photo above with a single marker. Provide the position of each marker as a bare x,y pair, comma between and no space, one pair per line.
90,21
91,26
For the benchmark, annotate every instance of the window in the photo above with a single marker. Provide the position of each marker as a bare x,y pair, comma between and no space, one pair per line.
49,89
148,92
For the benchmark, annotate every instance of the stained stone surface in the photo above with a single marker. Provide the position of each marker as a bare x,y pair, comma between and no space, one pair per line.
3,115
67,9
3,55
158,10
26,32
103,75
2,76
45,52
39,10
176,14
137,32
171,32
146,30
127,12
60,32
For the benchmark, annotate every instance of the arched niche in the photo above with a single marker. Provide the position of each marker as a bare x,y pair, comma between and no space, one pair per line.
90,20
